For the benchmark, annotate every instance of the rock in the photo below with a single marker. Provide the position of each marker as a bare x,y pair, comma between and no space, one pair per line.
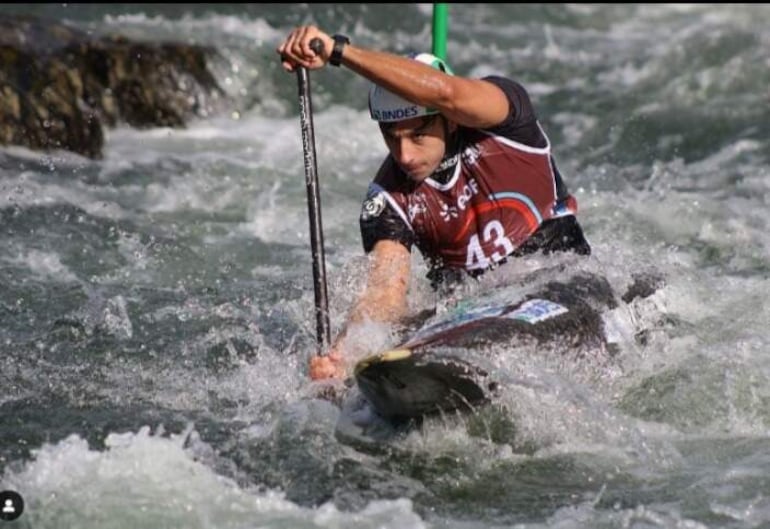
60,86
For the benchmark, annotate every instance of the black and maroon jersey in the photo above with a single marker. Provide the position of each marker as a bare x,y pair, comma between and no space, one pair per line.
499,195
504,188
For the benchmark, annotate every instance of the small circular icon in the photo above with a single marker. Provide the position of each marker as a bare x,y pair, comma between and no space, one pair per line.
11,505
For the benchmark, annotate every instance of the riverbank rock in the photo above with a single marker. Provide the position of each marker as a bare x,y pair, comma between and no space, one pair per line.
59,87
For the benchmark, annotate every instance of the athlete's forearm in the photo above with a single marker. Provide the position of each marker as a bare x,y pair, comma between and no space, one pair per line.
374,306
384,299
380,304
411,79
469,102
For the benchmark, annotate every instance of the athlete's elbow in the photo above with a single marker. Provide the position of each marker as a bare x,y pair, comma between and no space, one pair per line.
447,97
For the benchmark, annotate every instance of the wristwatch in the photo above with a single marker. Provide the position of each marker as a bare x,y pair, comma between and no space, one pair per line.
335,59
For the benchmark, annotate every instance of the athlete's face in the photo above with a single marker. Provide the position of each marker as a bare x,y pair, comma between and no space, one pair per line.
417,145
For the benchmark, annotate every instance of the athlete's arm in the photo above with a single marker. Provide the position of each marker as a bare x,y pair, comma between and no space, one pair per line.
383,300
473,103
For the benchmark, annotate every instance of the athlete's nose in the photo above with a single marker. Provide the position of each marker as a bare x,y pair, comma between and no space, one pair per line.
404,152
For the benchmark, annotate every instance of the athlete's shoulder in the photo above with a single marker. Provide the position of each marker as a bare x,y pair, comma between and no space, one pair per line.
510,86
521,123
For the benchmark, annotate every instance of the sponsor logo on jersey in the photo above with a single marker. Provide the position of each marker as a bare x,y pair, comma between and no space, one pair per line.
468,191
448,212
471,155
373,206
416,207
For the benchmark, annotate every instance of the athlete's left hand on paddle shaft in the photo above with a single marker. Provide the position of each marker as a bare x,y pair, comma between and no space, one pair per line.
328,373
330,365
297,51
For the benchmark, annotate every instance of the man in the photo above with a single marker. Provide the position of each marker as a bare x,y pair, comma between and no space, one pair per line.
469,180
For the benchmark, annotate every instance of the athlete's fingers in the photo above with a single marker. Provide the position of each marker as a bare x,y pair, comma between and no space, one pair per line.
331,365
285,50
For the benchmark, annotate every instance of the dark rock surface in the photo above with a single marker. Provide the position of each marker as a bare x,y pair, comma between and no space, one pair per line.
59,86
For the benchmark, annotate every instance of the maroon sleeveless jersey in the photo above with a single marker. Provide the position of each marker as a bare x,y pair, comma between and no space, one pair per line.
499,194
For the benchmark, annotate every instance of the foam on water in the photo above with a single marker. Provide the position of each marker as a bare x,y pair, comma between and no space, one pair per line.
43,265
152,479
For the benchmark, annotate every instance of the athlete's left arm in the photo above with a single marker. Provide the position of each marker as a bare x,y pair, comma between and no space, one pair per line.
384,298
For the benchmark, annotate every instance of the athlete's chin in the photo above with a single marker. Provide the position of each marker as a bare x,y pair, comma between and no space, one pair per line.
416,173
417,176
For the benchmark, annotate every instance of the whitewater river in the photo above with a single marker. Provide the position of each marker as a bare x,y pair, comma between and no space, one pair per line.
157,305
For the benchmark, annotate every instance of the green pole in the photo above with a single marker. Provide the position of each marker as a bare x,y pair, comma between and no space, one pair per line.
440,28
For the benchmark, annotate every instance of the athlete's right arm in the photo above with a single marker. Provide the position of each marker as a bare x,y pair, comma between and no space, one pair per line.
473,103
383,300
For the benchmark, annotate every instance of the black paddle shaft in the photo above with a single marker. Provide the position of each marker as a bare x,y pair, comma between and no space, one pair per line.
314,202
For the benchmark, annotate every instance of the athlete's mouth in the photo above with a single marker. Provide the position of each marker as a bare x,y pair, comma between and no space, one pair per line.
413,172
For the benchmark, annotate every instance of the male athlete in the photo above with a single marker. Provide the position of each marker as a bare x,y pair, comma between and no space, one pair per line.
469,180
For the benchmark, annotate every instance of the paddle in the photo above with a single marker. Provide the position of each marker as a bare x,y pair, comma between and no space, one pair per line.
323,332
314,203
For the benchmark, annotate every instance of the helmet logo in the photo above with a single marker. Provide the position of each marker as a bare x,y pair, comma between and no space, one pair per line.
385,106
395,114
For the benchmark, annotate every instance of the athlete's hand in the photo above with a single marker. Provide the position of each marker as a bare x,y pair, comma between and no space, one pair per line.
330,365
296,50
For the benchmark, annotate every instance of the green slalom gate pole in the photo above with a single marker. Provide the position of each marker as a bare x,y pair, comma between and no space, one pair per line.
440,29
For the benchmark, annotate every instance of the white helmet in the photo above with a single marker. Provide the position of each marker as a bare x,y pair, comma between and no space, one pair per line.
385,106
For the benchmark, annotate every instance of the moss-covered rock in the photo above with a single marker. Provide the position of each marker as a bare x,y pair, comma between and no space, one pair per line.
59,86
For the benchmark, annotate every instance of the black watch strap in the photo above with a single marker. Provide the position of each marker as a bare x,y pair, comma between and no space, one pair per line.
335,59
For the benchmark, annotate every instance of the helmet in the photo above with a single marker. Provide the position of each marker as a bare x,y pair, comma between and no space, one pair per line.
385,106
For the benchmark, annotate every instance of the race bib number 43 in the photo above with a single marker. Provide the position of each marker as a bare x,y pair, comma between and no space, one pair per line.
494,233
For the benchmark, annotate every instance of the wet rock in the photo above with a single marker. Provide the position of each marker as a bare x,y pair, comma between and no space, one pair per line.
644,285
59,87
